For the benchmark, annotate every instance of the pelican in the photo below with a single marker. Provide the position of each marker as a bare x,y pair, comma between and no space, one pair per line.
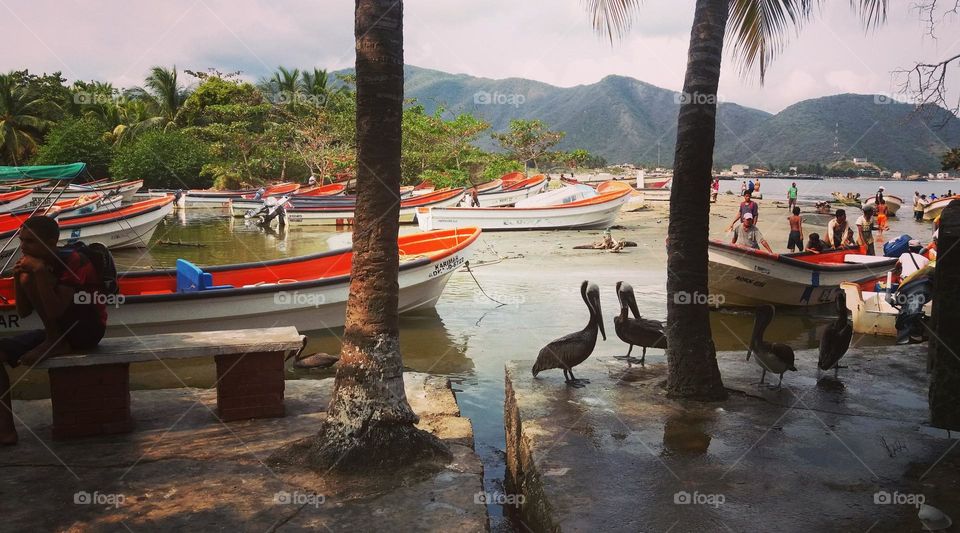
771,356
835,339
571,350
636,331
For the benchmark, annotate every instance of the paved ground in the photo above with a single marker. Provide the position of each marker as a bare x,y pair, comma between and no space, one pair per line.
183,470
617,455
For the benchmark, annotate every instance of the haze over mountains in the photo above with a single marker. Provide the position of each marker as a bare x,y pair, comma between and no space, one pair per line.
624,120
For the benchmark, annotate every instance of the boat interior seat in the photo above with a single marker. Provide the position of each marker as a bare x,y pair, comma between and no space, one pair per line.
191,278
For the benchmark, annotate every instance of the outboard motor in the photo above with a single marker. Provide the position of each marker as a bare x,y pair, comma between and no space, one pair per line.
910,299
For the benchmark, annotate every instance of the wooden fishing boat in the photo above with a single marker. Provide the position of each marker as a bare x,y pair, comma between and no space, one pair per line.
490,186
893,203
869,309
848,199
516,191
308,292
424,187
749,277
241,207
130,225
563,195
10,201
125,189
212,198
935,207
332,189
599,211
24,184
511,178
342,214
636,200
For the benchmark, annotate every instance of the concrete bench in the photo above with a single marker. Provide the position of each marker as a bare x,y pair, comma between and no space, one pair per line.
90,391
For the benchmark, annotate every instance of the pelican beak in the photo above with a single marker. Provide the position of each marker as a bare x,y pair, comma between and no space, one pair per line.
632,300
595,302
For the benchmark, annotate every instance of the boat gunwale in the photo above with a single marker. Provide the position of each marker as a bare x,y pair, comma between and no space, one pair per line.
791,260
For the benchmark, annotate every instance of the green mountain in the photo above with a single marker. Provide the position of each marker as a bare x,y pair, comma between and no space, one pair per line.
627,120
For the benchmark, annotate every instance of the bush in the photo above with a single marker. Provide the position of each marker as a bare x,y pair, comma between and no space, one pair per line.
500,166
77,140
163,159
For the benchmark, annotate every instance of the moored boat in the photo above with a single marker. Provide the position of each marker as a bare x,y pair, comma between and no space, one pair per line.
10,201
514,192
245,205
599,211
869,309
212,198
307,292
341,213
935,207
125,189
848,199
893,203
749,277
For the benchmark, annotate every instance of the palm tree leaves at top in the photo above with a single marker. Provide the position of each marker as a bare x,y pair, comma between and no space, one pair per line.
22,119
758,30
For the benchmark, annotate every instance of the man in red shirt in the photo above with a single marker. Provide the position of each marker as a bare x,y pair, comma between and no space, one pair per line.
62,287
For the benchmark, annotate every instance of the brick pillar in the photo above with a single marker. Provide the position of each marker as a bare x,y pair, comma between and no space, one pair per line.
250,386
90,400
944,344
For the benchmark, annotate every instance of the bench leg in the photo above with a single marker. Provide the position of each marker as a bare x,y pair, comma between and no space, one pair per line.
90,400
250,386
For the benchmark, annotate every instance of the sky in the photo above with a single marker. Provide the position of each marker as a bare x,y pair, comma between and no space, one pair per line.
546,40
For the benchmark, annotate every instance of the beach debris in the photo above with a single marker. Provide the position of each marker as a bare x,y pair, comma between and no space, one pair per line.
178,242
607,242
933,519
317,360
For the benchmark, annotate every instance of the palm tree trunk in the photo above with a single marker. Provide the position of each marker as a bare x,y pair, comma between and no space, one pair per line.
369,422
692,359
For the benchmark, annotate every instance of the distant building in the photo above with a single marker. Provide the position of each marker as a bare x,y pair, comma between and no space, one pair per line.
897,175
859,160
739,170
792,171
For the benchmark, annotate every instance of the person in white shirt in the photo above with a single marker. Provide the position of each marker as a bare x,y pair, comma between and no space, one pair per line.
865,229
839,233
911,261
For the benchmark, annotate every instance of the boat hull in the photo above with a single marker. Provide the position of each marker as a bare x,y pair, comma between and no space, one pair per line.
933,210
19,199
508,197
893,203
741,277
871,313
344,216
126,191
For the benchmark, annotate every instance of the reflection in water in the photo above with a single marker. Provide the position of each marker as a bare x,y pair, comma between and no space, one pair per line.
684,434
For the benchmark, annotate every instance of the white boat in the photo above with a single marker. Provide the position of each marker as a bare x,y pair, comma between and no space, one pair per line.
343,215
655,195
597,212
636,199
211,198
871,313
749,277
308,292
11,201
893,203
514,192
126,189
563,195
934,208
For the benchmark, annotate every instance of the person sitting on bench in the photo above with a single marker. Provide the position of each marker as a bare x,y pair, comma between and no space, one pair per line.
62,286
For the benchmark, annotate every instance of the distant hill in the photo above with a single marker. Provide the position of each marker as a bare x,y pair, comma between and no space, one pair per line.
623,119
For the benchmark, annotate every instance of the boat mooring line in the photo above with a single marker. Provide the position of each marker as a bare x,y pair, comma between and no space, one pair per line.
467,266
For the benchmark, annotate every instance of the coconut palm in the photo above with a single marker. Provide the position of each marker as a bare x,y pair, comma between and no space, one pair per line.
22,120
759,32
166,95
369,423
287,86
315,85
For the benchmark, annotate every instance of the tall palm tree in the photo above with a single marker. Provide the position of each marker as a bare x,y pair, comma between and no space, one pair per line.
369,423
165,93
22,120
288,86
759,32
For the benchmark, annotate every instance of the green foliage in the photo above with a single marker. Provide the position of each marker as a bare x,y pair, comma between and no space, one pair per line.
27,106
951,159
527,140
431,142
450,177
163,159
498,166
220,100
77,140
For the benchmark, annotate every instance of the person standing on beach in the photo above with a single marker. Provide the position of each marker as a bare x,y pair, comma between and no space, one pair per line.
750,186
881,217
749,236
917,206
792,196
715,189
839,233
865,230
746,206
743,187
796,231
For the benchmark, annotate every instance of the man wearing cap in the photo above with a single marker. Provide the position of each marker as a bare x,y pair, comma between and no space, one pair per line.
839,233
865,229
748,236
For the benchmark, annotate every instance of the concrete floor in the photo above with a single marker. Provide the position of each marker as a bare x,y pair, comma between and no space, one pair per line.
184,470
618,455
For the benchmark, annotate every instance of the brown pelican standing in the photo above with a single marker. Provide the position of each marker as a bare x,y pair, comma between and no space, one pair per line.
636,331
835,339
771,356
571,350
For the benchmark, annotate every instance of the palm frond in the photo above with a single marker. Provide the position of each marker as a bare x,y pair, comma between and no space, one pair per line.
611,18
873,12
758,29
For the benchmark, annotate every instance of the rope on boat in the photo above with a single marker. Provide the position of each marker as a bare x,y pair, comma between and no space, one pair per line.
467,266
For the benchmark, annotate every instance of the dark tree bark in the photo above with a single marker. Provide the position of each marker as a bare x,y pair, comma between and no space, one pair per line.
369,423
944,343
692,358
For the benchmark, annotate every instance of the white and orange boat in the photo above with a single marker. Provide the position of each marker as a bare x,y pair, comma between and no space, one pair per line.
340,211
870,311
212,198
582,211
748,277
934,208
513,191
240,207
308,292
11,201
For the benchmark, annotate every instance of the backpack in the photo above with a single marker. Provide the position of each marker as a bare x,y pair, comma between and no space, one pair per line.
102,261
